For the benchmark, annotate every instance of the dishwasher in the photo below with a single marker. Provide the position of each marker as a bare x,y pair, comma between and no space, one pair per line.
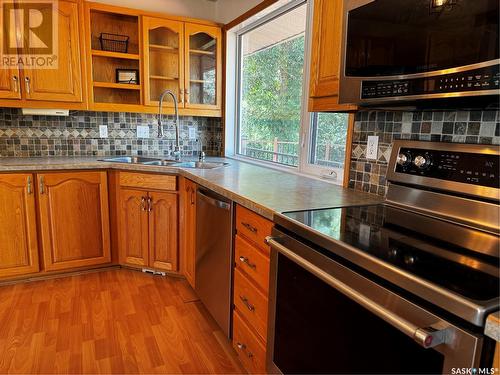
214,258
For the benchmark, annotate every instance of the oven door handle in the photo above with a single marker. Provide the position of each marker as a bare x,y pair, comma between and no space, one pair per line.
427,337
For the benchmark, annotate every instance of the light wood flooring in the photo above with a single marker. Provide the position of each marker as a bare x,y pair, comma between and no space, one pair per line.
115,321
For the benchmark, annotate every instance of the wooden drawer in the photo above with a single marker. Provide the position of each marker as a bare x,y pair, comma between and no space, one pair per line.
252,262
251,351
148,181
253,226
251,303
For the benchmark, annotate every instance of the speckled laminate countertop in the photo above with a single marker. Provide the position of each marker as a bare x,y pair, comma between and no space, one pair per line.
263,190
492,328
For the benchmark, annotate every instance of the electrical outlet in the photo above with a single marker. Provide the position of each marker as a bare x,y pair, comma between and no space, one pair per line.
372,147
142,131
103,131
192,132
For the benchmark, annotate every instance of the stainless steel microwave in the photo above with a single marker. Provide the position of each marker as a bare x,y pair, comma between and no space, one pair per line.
408,50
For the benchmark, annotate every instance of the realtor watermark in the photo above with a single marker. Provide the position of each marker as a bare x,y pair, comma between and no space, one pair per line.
474,371
29,34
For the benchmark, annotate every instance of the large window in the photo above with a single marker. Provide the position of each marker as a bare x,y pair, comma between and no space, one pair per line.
273,124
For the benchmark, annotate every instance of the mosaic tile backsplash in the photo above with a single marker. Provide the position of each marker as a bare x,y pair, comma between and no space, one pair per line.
78,134
480,127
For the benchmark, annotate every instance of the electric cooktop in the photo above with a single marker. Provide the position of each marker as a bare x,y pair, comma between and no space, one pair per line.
413,243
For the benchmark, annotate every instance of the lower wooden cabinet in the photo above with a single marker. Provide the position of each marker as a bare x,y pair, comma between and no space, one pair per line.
74,219
163,231
251,351
251,289
18,234
133,227
188,233
148,222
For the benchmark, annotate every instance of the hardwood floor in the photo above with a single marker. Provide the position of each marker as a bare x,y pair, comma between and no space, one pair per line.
115,321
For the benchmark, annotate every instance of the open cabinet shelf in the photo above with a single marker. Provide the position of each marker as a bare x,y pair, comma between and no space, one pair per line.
105,63
115,55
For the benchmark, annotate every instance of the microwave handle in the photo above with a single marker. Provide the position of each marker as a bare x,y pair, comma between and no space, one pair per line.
427,337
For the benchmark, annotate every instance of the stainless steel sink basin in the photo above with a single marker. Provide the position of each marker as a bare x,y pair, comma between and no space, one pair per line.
165,162
132,160
199,164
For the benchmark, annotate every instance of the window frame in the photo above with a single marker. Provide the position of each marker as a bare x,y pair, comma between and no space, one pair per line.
307,119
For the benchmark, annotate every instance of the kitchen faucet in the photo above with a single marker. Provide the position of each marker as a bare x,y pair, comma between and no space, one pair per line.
177,149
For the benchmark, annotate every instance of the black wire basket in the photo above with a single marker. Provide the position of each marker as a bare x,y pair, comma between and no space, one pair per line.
114,42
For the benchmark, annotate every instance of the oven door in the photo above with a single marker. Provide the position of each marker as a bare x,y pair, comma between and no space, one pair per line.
326,318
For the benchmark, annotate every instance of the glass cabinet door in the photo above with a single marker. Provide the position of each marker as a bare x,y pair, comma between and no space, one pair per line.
203,59
163,60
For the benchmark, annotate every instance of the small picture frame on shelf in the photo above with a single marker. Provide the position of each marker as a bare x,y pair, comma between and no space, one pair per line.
130,76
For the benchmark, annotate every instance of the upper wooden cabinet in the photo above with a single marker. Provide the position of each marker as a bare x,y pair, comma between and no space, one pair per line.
203,66
9,84
74,219
325,57
18,235
46,87
63,84
166,53
163,59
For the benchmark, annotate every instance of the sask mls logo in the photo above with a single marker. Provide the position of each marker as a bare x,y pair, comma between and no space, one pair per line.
29,34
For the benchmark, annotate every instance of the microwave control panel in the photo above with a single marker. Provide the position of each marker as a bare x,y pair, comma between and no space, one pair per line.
468,168
486,78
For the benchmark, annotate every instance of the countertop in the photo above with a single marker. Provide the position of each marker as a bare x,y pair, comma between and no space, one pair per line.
492,328
263,190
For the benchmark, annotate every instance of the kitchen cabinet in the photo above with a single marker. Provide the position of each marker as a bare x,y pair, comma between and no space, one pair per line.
203,84
163,59
134,227
63,84
148,216
74,219
18,233
188,233
48,87
325,57
167,52
163,230
9,84
251,288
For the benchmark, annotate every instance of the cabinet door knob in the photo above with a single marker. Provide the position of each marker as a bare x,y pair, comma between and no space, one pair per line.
150,204
29,187
241,346
15,81
42,185
250,227
246,261
247,304
27,83
143,203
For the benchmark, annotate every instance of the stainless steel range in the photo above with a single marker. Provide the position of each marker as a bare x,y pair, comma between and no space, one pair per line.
400,287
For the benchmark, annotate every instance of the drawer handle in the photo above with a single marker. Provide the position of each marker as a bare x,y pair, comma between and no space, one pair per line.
251,228
243,347
247,304
247,262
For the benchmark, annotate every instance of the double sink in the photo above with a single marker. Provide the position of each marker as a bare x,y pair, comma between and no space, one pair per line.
165,162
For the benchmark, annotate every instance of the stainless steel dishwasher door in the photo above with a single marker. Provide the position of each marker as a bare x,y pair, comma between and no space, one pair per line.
214,255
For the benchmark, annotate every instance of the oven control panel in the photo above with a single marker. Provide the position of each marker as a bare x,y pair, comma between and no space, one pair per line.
468,168
486,78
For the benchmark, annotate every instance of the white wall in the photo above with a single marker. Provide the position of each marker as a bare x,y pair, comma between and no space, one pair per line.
203,9
222,11
228,10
